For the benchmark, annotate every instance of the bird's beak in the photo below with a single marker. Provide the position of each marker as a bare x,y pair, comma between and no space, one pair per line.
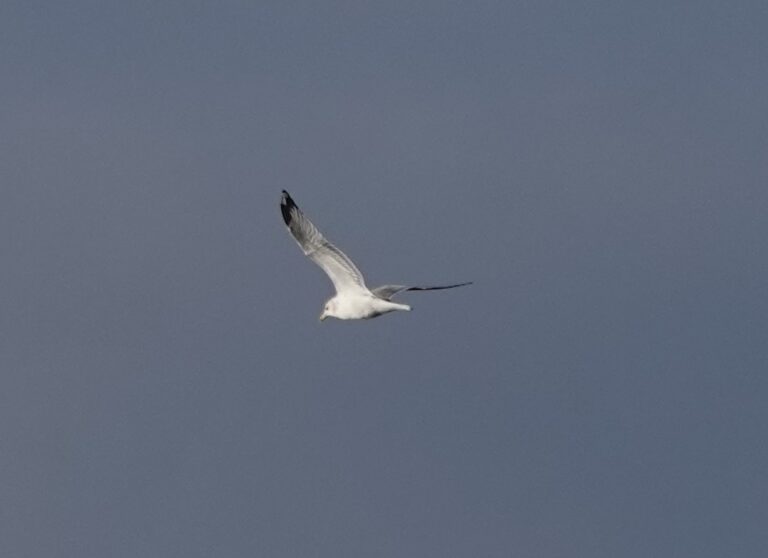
322,316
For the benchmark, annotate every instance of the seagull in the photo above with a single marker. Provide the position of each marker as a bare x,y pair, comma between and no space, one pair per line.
353,300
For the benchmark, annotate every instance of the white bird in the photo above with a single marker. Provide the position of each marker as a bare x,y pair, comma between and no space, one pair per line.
353,300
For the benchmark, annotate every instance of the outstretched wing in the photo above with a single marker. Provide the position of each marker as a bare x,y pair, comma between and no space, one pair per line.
388,291
343,273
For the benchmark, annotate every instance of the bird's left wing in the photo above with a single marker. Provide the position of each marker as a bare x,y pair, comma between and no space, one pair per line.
340,269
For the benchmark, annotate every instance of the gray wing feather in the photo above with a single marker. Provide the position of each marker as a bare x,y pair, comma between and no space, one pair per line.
340,269
388,291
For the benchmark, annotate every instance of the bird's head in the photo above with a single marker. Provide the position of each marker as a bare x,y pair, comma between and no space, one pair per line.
329,310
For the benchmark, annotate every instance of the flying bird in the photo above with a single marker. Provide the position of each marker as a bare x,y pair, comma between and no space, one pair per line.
353,300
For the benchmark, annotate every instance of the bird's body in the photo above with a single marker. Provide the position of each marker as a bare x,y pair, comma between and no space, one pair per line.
361,306
353,300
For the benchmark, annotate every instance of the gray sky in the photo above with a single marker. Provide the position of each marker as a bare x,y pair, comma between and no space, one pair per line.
598,170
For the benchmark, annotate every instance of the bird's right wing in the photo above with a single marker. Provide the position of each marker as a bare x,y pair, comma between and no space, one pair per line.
340,269
388,291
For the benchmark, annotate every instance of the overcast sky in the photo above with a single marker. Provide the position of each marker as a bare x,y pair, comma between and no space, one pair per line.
598,169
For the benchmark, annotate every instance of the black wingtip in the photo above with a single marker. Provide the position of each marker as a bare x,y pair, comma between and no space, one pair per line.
286,205
439,287
455,285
